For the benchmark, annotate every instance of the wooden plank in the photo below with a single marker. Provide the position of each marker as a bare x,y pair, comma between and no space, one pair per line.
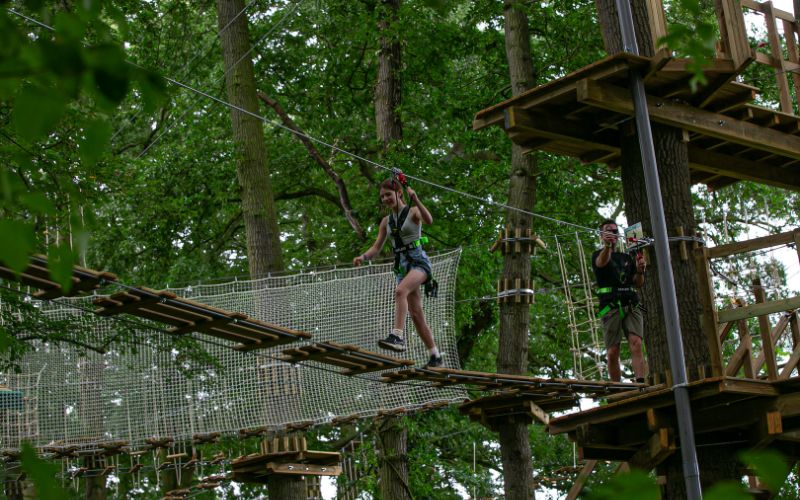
793,324
790,365
768,428
613,98
750,245
777,57
739,168
580,481
758,6
657,449
751,311
709,317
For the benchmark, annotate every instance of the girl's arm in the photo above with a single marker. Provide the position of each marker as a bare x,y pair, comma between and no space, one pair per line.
421,214
375,249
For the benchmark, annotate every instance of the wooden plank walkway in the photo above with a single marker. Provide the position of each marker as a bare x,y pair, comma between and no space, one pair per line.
37,275
187,316
351,359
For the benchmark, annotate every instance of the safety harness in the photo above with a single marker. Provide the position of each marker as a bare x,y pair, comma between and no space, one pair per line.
616,303
431,286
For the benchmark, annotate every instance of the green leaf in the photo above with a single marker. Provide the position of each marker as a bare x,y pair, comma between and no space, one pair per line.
38,203
37,112
111,72
96,136
153,88
727,490
42,473
18,244
635,485
60,259
5,340
769,465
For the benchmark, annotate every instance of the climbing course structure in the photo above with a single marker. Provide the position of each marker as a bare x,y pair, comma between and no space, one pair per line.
149,392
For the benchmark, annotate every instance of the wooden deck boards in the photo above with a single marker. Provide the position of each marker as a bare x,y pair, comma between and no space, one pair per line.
721,119
741,412
351,359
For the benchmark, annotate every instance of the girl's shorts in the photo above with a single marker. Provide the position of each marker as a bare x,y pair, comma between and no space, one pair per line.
415,258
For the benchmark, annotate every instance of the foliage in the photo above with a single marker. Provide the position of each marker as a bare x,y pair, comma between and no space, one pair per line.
693,33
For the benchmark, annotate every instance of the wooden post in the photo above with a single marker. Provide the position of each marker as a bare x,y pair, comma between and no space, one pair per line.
766,333
789,32
795,330
796,237
658,22
777,58
710,320
682,244
733,32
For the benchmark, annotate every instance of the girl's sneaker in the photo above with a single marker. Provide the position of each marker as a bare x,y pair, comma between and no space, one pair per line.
393,343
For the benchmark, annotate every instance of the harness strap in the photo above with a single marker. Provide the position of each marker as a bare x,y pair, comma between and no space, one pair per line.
612,289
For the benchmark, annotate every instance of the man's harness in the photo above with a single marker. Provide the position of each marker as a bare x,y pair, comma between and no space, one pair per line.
616,303
431,286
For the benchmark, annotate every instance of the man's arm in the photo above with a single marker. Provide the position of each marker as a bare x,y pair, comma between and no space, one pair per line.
604,257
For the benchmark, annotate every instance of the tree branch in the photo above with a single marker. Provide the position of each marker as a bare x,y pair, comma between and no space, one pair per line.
344,198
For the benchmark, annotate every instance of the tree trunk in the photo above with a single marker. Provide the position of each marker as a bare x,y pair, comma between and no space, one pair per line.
388,123
673,171
512,356
258,203
392,434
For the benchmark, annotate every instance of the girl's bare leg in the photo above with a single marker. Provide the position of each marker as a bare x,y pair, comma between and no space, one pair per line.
418,317
409,284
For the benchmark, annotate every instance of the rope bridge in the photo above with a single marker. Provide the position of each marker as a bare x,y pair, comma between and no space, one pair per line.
149,387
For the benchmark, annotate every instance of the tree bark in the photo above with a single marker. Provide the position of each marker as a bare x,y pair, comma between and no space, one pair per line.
392,434
258,203
512,356
673,171
388,85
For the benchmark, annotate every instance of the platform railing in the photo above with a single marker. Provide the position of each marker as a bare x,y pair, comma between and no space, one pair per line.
718,324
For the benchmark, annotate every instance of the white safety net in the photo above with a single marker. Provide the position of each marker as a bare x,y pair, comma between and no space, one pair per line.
141,390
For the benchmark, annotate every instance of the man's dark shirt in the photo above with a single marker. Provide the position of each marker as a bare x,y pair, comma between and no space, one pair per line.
617,273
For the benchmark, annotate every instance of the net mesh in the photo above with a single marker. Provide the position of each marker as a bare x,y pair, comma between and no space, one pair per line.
75,395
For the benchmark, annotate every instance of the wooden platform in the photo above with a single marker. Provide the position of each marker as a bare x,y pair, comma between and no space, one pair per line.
497,409
581,114
285,456
351,359
736,412
189,316
37,275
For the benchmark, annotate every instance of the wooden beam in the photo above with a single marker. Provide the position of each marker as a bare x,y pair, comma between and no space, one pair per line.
657,449
750,245
580,481
790,365
774,335
521,125
789,31
743,169
613,98
754,310
768,428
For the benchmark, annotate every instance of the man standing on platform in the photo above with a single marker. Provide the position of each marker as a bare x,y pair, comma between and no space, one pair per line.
618,276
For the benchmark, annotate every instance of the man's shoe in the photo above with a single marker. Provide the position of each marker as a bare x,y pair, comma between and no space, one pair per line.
434,362
393,343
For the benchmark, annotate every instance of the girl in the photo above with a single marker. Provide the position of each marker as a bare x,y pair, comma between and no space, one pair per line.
403,227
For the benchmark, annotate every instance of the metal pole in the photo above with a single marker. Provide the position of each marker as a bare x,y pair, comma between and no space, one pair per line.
669,301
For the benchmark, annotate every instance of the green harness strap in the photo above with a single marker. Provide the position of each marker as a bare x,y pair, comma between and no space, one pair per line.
608,307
